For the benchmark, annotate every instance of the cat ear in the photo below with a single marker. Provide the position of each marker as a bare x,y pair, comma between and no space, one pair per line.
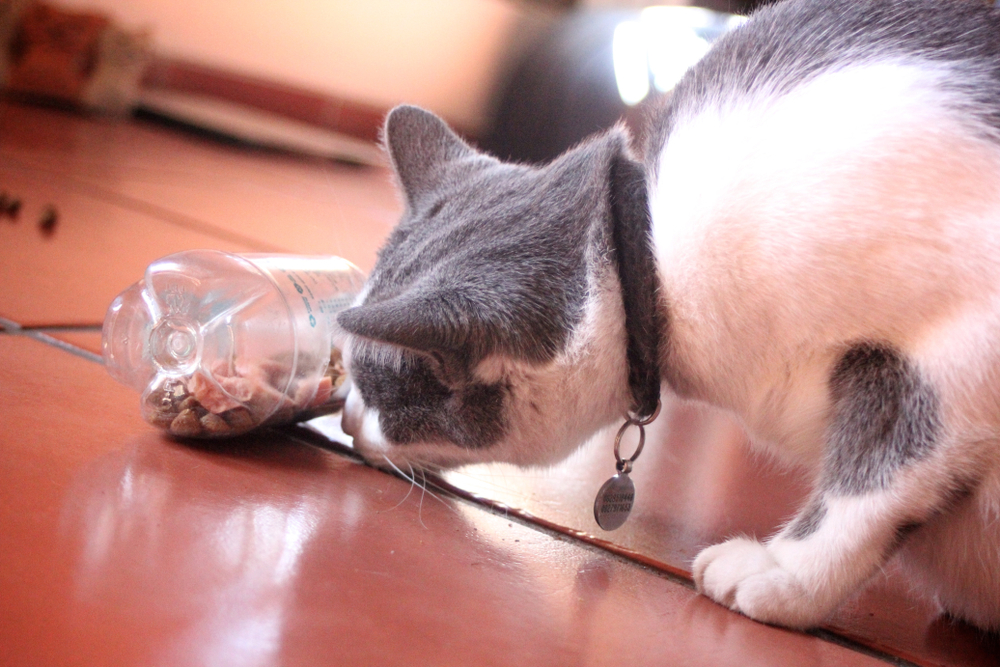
420,145
443,332
424,322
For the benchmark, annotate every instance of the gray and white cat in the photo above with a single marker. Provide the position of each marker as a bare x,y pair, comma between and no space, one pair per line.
812,242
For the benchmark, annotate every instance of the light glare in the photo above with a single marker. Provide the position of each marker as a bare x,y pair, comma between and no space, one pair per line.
631,61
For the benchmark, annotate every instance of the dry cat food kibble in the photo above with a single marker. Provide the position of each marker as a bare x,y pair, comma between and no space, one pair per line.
228,401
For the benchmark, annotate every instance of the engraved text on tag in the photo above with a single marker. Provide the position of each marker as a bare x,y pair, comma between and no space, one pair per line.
614,502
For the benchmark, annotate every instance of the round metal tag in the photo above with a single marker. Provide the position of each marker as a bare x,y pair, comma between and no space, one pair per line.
614,502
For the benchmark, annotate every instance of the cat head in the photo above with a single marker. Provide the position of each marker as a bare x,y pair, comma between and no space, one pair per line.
491,327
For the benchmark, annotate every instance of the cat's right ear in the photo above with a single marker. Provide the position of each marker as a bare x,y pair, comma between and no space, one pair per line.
421,145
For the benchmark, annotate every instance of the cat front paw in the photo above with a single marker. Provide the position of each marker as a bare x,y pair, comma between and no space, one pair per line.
744,576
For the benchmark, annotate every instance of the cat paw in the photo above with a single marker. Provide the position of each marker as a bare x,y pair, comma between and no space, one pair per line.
743,575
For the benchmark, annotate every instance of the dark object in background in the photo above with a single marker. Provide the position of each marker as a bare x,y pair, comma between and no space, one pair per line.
561,89
561,86
79,59
47,223
10,206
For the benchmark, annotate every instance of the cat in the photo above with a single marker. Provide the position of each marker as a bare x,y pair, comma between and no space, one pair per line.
811,241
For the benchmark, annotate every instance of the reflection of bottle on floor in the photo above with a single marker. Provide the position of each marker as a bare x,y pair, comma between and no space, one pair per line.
221,343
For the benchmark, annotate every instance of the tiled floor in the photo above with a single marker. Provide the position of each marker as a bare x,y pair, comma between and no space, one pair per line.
119,546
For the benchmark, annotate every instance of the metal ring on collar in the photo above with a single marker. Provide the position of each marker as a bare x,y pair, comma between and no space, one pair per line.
637,421
625,465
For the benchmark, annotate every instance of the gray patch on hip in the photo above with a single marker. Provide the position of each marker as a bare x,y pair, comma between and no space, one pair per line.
885,416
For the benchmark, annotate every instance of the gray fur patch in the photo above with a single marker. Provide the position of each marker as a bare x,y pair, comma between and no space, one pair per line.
808,521
884,417
489,258
415,406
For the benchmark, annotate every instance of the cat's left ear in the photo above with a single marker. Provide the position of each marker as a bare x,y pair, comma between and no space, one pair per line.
421,145
441,325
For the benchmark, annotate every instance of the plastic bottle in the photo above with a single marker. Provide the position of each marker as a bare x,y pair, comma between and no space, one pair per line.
220,344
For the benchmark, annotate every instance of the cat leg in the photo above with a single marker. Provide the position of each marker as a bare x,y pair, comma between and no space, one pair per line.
882,476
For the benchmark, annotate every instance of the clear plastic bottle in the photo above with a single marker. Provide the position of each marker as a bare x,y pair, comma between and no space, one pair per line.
220,344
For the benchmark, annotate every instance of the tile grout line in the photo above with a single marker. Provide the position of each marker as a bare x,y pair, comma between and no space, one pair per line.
12,328
856,646
674,574
64,328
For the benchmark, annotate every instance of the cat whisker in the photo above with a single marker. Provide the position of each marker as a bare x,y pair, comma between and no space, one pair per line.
422,484
423,474
411,480
423,489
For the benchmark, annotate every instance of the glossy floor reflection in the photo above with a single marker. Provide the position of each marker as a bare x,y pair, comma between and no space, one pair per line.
699,482
119,546
123,547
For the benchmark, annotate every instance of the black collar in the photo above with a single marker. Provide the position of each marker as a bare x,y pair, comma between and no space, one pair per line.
633,252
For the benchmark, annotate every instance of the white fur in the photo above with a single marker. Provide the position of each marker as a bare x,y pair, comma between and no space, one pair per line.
784,207
362,421
963,578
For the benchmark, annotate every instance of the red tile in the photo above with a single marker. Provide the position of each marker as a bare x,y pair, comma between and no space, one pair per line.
127,194
697,483
122,547
267,200
95,251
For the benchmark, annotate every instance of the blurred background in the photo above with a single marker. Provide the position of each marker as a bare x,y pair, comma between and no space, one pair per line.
525,79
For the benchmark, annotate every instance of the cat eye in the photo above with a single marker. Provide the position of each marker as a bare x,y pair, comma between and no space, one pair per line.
447,368
435,208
